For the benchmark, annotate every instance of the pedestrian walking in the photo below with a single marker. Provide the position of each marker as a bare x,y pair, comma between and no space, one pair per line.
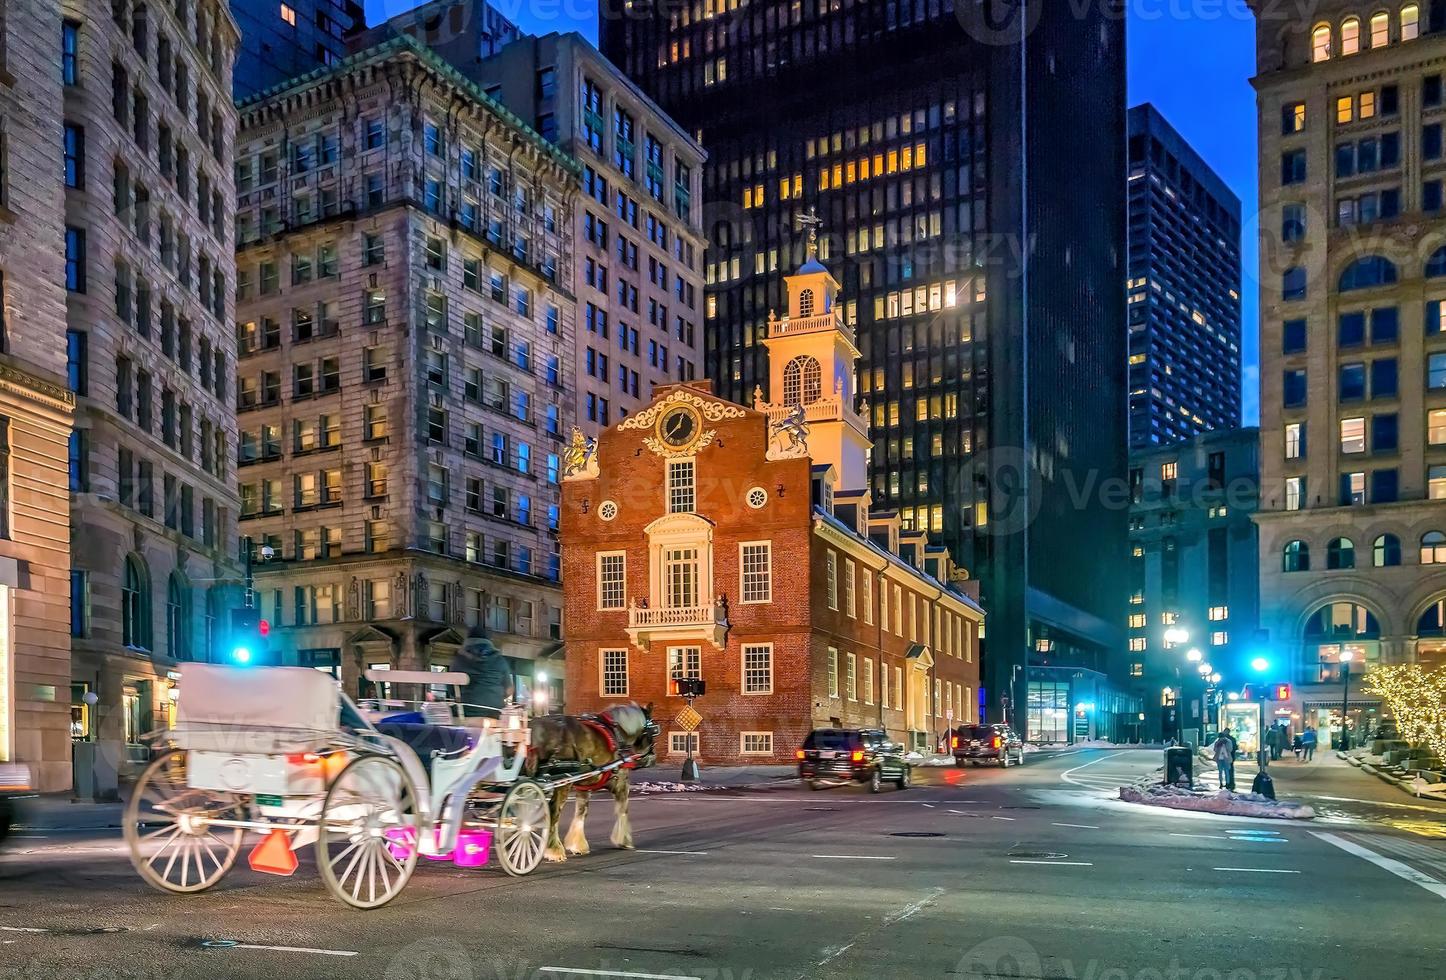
1272,741
1297,745
1307,743
1222,750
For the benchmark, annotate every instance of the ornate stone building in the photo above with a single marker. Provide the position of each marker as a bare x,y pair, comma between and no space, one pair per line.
149,125
708,540
405,331
35,407
1353,346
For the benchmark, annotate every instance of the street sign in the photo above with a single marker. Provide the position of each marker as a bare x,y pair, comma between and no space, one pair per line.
688,719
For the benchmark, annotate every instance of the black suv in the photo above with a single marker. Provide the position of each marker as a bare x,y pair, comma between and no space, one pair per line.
833,756
991,743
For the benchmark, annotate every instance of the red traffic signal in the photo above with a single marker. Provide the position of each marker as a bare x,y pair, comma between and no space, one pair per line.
264,628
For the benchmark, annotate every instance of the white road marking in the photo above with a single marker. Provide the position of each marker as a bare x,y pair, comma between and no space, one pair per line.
1072,864
296,949
1202,836
20,929
644,850
929,805
1261,871
1397,868
853,857
914,909
1001,818
1081,826
569,971
1066,774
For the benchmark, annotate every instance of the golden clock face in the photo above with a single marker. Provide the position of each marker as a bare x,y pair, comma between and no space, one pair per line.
679,427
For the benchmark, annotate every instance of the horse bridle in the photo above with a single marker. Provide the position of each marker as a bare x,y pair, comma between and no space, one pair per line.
651,730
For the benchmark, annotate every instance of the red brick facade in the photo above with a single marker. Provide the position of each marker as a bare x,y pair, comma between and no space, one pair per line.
682,587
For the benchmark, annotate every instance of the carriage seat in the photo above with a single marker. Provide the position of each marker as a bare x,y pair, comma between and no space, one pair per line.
426,739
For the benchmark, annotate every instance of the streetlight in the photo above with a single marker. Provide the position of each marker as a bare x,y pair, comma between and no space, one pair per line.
1194,655
1260,665
1346,656
1177,634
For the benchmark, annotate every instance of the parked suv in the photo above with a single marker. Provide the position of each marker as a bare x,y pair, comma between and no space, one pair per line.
986,743
834,756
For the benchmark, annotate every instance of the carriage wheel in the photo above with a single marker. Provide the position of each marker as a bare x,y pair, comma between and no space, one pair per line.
366,846
168,828
522,822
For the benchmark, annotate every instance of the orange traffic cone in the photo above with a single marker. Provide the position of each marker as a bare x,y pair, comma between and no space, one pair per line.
273,856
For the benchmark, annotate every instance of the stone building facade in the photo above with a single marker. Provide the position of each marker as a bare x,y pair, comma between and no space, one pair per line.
35,407
639,224
640,244
405,330
705,539
148,218
1353,346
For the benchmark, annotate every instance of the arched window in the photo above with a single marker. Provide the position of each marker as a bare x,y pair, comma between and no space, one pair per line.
1386,551
1433,620
1341,553
1343,620
1433,548
1436,264
1341,627
1296,557
1320,43
802,381
178,618
805,303
1380,29
136,604
1350,35
215,609
1410,22
1292,283
1368,271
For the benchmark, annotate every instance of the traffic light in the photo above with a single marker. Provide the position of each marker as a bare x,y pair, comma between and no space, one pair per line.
686,687
248,630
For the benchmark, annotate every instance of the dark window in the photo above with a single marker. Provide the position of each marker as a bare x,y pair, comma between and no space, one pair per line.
1366,272
77,370
79,464
1385,489
75,259
1292,337
1352,382
1385,325
1431,141
1352,330
1292,167
74,155
1390,100
1293,386
1383,378
1293,283
1431,196
1384,433
70,52
1431,90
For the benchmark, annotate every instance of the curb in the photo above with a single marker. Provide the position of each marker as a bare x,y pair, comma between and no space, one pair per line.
1385,777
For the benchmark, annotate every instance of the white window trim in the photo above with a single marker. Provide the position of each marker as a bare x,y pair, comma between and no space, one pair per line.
599,573
849,586
868,583
851,676
743,739
602,671
697,744
668,658
742,546
868,680
831,579
743,669
831,669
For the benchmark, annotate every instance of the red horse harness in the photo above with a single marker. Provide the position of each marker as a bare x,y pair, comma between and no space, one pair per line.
603,725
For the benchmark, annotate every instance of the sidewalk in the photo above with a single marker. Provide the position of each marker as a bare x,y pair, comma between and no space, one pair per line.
58,812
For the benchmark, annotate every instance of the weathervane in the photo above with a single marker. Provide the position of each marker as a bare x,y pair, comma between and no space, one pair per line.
811,221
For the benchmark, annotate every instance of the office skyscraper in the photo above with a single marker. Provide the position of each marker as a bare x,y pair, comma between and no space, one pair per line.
1184,288
968,178
281,39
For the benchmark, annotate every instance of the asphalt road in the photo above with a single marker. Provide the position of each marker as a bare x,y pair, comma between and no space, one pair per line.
1030,872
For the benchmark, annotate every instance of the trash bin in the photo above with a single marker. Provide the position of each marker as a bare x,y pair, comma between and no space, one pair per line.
1179,765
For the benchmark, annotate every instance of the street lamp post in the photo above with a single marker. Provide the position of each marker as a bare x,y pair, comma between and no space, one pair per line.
1346,657
1205,670
1260,665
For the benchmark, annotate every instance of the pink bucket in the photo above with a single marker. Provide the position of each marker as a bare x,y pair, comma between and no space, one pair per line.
473,847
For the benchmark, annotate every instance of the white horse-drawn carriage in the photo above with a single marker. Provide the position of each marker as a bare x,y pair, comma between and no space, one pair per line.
282,752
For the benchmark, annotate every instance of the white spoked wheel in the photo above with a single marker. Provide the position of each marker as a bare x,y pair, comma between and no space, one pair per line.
366,846
521,834
168,827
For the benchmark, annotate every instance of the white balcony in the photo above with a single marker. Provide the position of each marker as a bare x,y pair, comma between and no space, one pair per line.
678,624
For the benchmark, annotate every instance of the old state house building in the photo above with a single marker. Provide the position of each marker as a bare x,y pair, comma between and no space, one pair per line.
706,539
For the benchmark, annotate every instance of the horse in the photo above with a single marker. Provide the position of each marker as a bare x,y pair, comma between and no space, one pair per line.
588,741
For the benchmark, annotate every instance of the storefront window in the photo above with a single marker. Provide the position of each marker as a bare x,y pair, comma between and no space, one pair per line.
1048,711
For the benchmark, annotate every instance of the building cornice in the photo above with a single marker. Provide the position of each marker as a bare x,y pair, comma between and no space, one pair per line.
32,387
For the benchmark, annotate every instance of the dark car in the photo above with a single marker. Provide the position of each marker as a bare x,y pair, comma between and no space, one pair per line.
834,756
14,783
986,743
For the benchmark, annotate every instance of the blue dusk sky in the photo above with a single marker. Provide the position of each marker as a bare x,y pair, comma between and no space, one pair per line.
1193,61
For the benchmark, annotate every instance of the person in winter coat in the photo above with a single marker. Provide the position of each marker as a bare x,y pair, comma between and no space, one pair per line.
1222,750
1307,743
489,684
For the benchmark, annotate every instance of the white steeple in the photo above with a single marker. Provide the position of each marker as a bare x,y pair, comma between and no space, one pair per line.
811,357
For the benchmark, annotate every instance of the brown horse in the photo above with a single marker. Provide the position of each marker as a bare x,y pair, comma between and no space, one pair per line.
562,743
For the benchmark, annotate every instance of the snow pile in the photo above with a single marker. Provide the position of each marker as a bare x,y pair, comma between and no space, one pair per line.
652,787
919,759
1222,801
